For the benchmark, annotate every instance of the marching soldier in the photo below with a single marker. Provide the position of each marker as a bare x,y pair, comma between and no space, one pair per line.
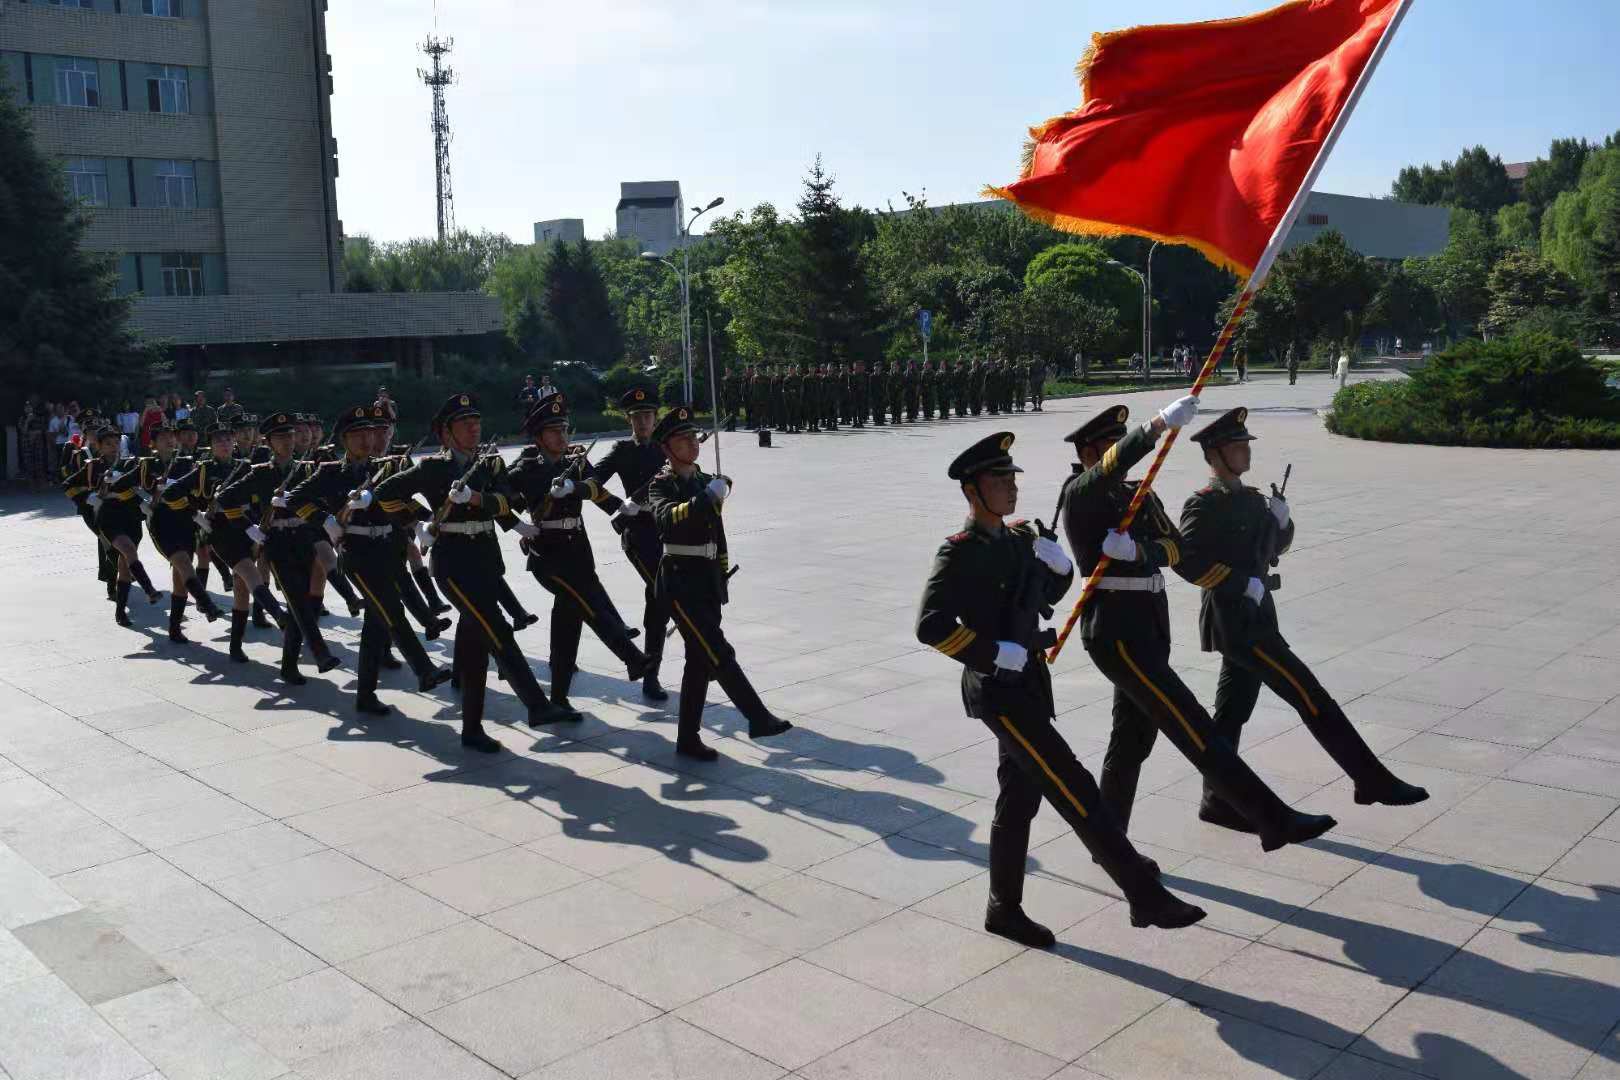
1126,628
240,505
471,492
990,586
92,462
1237,530
119,500
550,481
340,496
180,507
636,461
686,504
290,546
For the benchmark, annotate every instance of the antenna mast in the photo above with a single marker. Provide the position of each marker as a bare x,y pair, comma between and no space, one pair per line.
437,78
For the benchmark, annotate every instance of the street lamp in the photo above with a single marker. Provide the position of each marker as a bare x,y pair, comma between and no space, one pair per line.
684,276
1147,357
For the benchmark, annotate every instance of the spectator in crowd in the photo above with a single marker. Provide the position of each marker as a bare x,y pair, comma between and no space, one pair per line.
1344,369
229,410
528,394
546,389
178,409
151,417
201,414
129,424
383,398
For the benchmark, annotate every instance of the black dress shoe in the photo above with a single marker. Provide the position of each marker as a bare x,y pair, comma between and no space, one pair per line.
178,638
238,656
550,714
696,749
326,663
435,679
632,632
771,725
1221,813
293,677
1298,829
1167,912
480,742
1393,792
261,621
372,707
435,628
391,662
634,671
1010,922
121,618
651,690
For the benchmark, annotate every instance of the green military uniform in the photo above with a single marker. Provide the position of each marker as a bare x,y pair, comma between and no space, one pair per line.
1225,525
880,395
1037,384
859,406
730,397
692,578
553,490
466,561
1126,631
982,605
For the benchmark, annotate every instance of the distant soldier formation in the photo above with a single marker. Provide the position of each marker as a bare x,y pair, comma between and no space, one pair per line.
405,539
794,398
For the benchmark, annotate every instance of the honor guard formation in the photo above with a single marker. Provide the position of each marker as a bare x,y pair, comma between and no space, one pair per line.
405,538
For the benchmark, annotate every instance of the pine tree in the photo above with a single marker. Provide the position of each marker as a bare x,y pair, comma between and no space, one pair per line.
598,340
838,317
62,323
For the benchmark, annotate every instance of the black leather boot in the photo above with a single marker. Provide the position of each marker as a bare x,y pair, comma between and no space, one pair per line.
121,602
177,612
1004,914
239,621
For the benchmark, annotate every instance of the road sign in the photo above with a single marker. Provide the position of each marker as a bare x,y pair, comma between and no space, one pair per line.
925,323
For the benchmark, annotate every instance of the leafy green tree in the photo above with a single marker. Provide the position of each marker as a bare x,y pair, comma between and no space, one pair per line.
461,262
1423,184
759,249
1479,181
1049,321
1516,227
1554,174
1522,282
1321,290
1579,227
1405,306
1081,269
62,324
1460,274
835,317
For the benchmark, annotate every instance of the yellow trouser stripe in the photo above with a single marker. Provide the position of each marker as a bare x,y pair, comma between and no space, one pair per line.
1045,768
488,629
378,604
1285,673
692,626
1160,694
589,614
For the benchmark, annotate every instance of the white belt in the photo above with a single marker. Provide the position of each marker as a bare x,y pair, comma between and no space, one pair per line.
562,523
288,523
368,530
1154,584
467,528
696,551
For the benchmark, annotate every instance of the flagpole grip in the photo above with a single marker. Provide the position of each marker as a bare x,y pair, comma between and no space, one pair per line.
1142,489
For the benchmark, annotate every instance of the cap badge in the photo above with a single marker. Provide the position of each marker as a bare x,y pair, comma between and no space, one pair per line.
1006,444
1121,415
1242,415
641,395
683,414
465,400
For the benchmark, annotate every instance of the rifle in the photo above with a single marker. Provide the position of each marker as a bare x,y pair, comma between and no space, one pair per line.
1266,542
281,489
1027,611
377,477
484,449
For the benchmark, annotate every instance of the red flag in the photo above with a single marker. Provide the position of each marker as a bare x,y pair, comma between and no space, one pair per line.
1201,133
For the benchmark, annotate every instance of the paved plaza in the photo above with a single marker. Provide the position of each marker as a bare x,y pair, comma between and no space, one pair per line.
205,878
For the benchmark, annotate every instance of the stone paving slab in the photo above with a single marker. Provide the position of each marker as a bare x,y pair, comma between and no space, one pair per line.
202,875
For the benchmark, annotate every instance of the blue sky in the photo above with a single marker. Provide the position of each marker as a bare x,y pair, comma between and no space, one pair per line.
559,101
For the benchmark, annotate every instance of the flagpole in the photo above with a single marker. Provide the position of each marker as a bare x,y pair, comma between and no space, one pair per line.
1257,278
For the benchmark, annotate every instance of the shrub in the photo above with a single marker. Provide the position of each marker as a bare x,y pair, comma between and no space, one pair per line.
1528,390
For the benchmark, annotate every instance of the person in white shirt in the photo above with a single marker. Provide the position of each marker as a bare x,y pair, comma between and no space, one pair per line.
1344,369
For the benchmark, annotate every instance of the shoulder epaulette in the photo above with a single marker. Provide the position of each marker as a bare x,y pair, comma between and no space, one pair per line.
957,538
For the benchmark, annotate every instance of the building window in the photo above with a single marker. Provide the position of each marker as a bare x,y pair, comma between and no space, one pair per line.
1317,219
78,82
169,90
87,181
172,9
182,275
72,3
177,185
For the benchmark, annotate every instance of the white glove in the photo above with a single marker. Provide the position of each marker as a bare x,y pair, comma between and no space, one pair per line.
561,488
1011,656
256,534
424,538
1255,590
630,509
202,521
333,529
279,502
525,530
461,495
94,500
1279,510
1179,413
1119,546
360,500
1051,553
718,489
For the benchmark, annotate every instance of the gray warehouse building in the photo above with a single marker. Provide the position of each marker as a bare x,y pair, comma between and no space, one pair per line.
198,135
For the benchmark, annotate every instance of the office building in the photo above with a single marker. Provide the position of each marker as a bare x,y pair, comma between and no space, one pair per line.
652,212
568,230
198,135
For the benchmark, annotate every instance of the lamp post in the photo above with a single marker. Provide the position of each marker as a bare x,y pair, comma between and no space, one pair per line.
1147,318
1147,360
683,274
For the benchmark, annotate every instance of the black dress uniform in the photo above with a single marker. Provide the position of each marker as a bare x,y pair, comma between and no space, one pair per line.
174,530
692,581
1126,631
289,545
80,472
553,492
1222,525
988,586
372,557
121,495
635,464
240,504
465,558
